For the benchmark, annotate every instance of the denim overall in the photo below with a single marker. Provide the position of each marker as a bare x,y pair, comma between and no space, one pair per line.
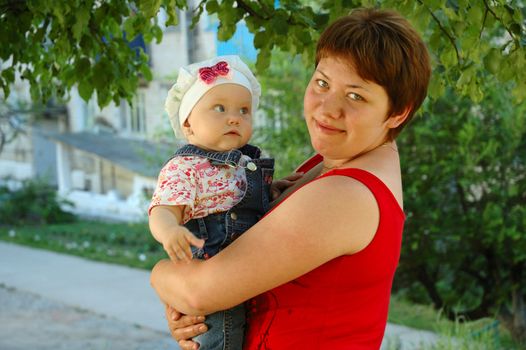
226,328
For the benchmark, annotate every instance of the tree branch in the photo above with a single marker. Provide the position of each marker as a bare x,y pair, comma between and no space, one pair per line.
462,196
241,3
483,23
501,21
250,10
429,285
13,7
443,29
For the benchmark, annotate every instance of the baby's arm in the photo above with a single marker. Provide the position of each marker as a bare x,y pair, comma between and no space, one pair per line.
176,239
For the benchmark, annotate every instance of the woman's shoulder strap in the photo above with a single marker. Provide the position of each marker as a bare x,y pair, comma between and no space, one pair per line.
309,163
379,189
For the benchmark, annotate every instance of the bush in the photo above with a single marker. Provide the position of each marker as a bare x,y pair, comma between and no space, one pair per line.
34,203
464,190
282,132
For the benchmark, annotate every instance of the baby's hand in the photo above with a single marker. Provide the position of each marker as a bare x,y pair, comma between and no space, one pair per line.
278,186
177,244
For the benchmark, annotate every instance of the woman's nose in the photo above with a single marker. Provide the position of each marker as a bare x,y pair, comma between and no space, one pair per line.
331,106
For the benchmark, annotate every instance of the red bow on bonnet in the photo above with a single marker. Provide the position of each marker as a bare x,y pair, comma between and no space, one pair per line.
209,74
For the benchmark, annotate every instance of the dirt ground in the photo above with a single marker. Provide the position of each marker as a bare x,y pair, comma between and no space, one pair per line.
30,322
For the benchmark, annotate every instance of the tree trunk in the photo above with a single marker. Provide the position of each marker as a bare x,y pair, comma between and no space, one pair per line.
515,320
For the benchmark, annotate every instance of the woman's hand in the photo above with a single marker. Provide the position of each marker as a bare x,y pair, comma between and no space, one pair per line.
183,328
278,186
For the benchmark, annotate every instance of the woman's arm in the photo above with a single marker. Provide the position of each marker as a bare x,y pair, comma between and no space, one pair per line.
329,217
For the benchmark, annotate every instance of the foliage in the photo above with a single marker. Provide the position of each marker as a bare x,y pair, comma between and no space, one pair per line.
465,189
56,45
34,203
282,132
127,244
466,38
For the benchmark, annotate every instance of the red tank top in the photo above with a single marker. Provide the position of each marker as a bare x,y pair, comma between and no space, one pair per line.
342,304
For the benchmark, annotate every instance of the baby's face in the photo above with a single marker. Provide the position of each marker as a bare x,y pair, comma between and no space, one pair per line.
222,119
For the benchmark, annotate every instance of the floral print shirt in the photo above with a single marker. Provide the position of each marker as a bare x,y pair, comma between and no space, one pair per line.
201,187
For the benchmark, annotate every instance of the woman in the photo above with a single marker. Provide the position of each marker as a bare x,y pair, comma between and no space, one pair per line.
318,268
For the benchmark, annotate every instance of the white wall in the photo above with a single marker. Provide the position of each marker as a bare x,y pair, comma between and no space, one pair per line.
15,170
110,206
170,54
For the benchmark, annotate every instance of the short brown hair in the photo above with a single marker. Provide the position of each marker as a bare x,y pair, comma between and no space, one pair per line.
384,48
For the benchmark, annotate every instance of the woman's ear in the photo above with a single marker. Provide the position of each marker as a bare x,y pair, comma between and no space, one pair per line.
395,121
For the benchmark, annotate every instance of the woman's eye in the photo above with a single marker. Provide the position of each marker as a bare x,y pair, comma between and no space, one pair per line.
354,96
322,83
244,111
219,108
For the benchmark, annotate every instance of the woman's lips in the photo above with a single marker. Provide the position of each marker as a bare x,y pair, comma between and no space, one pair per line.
327,129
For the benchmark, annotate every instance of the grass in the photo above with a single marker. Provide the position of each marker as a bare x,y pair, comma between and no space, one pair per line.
126,244
483,334
133,245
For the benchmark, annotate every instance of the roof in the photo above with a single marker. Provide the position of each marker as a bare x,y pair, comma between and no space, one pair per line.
139,156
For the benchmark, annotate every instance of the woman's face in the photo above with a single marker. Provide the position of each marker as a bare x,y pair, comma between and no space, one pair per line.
345,115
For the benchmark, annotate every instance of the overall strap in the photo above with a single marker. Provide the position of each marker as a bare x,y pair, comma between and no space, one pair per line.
230,158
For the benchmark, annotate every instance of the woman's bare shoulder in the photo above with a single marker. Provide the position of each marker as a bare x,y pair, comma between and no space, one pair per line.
342,207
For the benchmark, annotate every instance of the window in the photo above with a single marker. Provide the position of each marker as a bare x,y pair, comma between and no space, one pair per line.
138,113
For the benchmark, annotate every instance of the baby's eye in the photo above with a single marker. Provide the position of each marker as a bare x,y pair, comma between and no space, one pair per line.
244,110
219,108
354,96
322,83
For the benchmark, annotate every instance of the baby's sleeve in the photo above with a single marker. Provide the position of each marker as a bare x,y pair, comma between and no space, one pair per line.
176,184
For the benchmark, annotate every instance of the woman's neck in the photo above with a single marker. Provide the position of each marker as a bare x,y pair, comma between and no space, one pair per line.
330,164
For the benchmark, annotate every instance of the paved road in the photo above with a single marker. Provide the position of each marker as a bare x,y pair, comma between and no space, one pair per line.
56,301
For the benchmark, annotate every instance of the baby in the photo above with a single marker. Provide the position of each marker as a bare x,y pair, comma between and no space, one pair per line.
216,186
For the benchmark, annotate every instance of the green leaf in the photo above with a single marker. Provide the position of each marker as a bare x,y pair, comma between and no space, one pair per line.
103,97
437,86
475,92
171,10
212,6
448,57
157,33
59,14
149,8
5,86
305,37
82,20
491,61
85,89
101,74
146,72
263,60
279,25
476,14
9,74
515,28
260,39
225,32
519,92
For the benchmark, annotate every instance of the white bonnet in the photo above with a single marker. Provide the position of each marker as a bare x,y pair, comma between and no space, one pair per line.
194,80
